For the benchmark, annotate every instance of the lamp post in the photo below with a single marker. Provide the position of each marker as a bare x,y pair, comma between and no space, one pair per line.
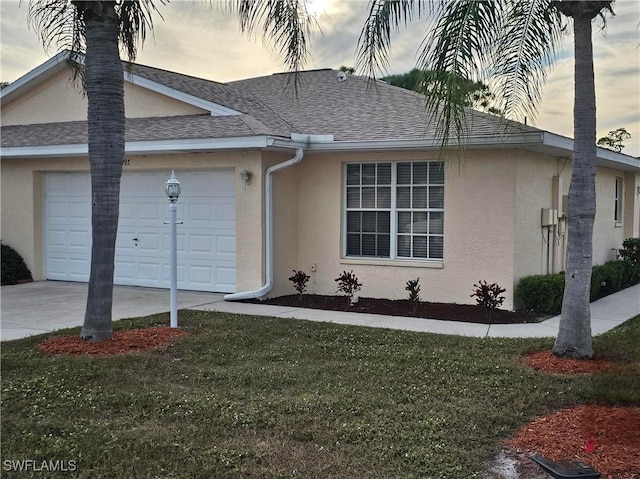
172,189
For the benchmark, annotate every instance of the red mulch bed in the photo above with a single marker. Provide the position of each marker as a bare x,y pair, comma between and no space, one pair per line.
548,362
122,342
607,438
402,307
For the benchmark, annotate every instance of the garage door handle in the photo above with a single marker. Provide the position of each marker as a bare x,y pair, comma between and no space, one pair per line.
134,239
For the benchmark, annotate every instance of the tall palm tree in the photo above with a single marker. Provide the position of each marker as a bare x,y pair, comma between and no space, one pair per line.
511,42
98,30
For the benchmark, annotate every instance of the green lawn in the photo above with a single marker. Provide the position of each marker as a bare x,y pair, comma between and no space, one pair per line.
251,397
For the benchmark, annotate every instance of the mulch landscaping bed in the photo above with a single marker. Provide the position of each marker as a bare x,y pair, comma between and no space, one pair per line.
548,362
402,307
122,342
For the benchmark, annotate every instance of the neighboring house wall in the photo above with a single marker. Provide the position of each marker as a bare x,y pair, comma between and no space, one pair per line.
23,198
58,99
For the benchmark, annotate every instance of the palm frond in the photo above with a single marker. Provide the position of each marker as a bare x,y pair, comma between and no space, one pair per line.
524,53
287,26
374,43
57,23
136,20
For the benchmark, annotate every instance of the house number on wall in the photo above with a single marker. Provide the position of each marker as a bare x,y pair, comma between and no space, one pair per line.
126,162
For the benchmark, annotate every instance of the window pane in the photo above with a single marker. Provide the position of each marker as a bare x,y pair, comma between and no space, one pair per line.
404,174
436,247
403,197
436,173
420,222
369,221
369,174
353,197
384,173
384,225
436,197
368,197
404,246
419,246
353,244
353,174
436,223
404,222
368,245
384,197
420,173
383,245
353,222
419,197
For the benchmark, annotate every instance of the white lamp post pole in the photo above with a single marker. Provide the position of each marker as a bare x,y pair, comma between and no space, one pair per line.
173,192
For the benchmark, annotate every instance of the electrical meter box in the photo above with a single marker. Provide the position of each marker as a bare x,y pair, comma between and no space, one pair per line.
549,217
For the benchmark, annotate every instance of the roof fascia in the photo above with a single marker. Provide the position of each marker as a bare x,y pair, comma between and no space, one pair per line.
213,108
141,147
605,158
40,73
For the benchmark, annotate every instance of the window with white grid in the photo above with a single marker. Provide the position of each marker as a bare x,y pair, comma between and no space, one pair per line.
395,210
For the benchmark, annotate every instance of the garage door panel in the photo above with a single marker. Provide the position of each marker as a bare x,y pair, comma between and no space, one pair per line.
206,208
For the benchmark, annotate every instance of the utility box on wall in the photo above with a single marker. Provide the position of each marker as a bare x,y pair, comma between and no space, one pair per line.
549,217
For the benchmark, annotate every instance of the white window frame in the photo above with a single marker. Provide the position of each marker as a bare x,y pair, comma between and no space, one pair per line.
393,212
618,200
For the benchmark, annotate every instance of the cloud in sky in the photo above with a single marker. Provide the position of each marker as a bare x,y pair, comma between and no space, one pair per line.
197,40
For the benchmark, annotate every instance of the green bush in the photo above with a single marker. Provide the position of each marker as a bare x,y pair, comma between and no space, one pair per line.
630,253
541,293
14,270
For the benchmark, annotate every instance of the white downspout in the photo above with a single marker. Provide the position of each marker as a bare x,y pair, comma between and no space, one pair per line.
269,225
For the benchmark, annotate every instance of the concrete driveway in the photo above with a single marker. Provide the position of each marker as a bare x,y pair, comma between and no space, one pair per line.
44,306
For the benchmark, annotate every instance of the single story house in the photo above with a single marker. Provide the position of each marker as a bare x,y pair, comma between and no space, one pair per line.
340,173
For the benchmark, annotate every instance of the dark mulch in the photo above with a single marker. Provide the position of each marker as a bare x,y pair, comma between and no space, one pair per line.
402,307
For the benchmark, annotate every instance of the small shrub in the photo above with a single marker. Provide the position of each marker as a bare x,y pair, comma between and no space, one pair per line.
299,280
348,284
630,253
413,286
541,293
14,270
488,295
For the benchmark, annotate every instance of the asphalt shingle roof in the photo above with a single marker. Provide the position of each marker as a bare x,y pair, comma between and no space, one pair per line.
350,109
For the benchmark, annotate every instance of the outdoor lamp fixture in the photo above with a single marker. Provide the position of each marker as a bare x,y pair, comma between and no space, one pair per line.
172,189
245,176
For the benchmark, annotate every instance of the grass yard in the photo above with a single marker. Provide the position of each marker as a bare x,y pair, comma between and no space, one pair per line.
252,397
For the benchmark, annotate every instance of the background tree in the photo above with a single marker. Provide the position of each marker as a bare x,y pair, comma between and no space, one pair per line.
511,42
614,139
98,30
474,94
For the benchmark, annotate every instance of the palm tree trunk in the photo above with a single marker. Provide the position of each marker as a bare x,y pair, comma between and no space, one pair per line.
574,335
106,120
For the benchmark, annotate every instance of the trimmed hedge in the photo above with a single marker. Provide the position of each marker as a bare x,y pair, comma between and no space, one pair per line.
543,293
14,270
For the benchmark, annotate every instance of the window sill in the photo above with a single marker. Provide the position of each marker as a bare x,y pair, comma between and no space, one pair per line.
393,263
618,224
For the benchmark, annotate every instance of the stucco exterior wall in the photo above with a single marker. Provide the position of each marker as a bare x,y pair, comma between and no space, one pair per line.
479,211
22,203
59,99
607,234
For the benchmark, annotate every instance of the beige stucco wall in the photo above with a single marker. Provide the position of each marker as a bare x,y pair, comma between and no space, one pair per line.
58,100
22,203
478,233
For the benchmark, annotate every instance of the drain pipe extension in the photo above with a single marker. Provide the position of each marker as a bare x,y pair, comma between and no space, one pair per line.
269,225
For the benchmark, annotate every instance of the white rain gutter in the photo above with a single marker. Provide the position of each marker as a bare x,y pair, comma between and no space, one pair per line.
269,226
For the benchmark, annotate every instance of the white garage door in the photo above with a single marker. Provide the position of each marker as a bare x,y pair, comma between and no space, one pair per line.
206,239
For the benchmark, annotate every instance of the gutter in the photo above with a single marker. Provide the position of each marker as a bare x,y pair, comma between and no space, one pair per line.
269,225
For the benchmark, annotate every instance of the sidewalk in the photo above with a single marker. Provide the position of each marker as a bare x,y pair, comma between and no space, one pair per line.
46,306
606,314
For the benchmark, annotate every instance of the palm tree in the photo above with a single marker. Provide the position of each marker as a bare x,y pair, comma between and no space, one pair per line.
98,29
512,42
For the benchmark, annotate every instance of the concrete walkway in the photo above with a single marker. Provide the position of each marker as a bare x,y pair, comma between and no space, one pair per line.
45,306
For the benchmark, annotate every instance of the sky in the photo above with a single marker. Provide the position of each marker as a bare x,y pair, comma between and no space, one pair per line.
196,40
